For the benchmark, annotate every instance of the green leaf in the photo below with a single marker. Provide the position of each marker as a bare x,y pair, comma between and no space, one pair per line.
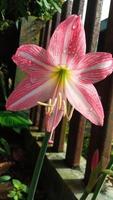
16,183
24,188
13,119
56,6
20,195
16,197
46,4
6,146
12,193
4,178
17,130
108,172
39,2
2,151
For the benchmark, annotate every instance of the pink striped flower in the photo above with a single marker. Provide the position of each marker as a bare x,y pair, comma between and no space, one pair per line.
61,73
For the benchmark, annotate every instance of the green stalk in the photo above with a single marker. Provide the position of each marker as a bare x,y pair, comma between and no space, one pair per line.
38,167
101,181
84,196
99,186
2,83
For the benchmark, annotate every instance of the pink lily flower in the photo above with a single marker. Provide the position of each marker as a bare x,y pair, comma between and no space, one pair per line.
61,73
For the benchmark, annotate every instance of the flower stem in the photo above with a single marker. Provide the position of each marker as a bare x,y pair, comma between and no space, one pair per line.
84,196
38,167
101,181
98,186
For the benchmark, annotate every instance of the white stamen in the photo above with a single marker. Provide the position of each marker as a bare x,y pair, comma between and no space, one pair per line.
64,108
70,115
59,101
43,104
55,101
50,106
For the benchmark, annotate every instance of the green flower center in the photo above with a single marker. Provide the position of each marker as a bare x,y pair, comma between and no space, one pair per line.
61,72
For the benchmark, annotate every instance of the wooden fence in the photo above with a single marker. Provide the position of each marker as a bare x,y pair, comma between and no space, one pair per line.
100,137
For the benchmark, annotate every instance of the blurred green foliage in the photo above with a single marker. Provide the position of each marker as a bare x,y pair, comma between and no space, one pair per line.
14,9
19,190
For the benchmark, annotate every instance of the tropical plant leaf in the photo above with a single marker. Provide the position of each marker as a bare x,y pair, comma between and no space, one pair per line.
2,151
13,119
46,4
4,178
6,146
56,6
39,2
17,130
16,183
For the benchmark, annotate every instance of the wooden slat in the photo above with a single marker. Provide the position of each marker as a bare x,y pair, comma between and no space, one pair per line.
101,137
59,137
55,21
92,24
66,9
47,33
78,7
34,115
75,140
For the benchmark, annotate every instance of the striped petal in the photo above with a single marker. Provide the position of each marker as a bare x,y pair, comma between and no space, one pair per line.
67,41
94,67
27,93
53,120
30,57
59,102
84,99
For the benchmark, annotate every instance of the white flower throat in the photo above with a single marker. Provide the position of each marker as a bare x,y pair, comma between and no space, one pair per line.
60,73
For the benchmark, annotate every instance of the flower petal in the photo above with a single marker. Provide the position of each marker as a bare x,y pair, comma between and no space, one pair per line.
53,120
30,57
59,102
84,99
94,67
68,40
27,93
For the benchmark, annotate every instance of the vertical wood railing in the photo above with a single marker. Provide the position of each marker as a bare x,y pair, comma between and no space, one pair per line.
100,136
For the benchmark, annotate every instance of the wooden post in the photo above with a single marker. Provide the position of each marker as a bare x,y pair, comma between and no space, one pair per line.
92,24
101,137
59,139
75,140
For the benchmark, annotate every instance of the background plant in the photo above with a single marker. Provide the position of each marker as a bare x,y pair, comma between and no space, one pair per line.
19,190
14,9
4,147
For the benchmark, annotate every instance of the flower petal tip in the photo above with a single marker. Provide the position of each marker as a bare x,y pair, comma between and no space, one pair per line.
100,122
